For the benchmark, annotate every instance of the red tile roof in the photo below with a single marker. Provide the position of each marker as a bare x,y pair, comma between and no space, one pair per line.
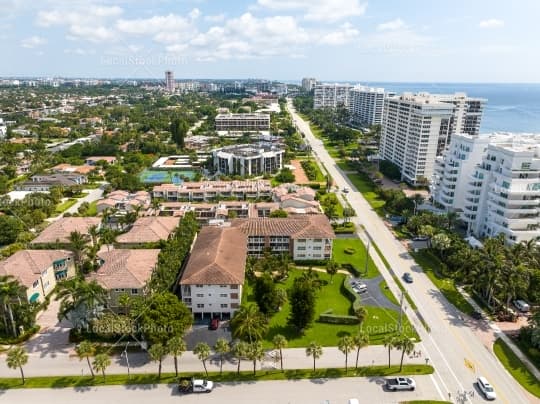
311,226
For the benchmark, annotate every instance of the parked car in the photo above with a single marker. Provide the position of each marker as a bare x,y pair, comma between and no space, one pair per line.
214,324
407,277
522,305
421,238
345,190
191,385
360,288
486,388
400,383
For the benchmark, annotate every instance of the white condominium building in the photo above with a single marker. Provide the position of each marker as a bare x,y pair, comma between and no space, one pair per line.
366,105
417,127
248,159
331,95
170,84
242,122
3,129
493,181
308,83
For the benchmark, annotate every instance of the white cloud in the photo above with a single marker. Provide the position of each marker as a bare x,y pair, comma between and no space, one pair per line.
346,33
319,10
195,13
392,25
33,42
79,51
165,29
215,18
491,23
395,41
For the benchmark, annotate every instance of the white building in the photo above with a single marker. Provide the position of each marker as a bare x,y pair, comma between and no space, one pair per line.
3,129
331,95
170,84
242,122
366,105
308,83
248,159
493,181
417,127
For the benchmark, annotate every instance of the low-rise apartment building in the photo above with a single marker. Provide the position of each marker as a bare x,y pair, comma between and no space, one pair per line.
213,190
39,270
212,280
148,229
242,122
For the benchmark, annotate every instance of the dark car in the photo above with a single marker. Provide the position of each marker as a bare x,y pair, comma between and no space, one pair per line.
477,315
214,324
407,277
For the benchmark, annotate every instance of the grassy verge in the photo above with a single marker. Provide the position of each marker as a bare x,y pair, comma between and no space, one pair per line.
63,206
532,353
366,187
170,378
388,293
516,368
357,258
429,264
92,209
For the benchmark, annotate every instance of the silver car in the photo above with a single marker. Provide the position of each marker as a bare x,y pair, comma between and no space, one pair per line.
486,388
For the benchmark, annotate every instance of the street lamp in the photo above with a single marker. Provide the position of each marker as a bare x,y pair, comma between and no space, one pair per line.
125,354
367,255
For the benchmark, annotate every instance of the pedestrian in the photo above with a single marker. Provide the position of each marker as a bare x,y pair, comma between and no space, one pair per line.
414,354
420,354
427,361
471,393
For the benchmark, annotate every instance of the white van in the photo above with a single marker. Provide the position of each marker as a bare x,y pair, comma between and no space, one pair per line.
522,306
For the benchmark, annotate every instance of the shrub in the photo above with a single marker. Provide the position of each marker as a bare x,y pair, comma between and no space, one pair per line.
349,250
328,317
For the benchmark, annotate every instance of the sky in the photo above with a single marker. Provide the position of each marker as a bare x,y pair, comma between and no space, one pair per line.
332,40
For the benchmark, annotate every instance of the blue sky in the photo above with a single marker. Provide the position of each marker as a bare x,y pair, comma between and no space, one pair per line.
355,40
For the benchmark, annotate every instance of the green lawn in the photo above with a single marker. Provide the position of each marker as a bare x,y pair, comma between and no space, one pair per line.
357,259
92,209
379,323
247,376
430,265
516,368
388,293
319,174
338,205
529,351
63,206
366,187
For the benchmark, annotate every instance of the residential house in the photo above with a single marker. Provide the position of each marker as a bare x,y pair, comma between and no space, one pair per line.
125,271
44,182
212,280
124,201
57,233
148,229
93,160
39,270
70,169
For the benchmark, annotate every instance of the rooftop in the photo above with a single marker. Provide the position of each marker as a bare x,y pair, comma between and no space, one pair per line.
149,229
59,231
296,227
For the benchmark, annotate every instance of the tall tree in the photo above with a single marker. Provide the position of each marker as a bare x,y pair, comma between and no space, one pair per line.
157,352
17,357
249,324
80,300
360,340
176,347
345,345
10,291
265,293
77,244
221,347
255,352
332,269
86,350
101,363
314,350
179,129
302,298
406,346
202,350
390,342
280,342
361,314
240,351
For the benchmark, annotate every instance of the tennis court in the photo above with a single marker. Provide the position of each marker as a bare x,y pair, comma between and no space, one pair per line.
165,177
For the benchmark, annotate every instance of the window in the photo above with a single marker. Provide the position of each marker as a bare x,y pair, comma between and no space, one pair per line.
200,295
224,305
223,295
187,300
134,291
200,305
234,286
44,273
35,284
223,286
200,286
234,295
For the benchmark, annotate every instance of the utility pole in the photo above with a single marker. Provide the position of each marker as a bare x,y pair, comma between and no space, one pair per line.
125,353
367,254
400,312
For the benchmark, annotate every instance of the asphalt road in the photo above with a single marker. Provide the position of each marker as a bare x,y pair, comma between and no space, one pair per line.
318,391
458,355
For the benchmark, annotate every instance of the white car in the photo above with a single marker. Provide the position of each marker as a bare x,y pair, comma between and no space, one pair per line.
486,388
522,306
202,386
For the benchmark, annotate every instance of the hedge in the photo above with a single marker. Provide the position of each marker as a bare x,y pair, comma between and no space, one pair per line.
25,336
350,294
310,263
328,317
352,269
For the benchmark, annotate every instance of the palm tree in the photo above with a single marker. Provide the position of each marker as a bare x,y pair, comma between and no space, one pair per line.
107,237
361,314
345,345
124,301
240,351
93,231
17,357
249,324
406,346
389,342
10,290
360,340
255,352
77,244
157,352
77,294
332,269
315,350
176,347
202,350
221,347
86,350
101,363
280,342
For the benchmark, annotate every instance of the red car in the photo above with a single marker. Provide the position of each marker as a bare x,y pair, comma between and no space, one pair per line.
214,324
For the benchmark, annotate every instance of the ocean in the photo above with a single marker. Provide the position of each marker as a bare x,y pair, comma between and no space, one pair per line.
509,107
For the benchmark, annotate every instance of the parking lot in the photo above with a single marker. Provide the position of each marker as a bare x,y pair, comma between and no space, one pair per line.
374,296
201,332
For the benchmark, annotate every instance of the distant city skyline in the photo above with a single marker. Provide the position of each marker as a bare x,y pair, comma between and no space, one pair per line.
332,40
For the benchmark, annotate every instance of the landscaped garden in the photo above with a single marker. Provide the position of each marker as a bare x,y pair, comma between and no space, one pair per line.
352,251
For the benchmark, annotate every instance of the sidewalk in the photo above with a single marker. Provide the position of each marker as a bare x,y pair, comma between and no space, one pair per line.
63,364
498,333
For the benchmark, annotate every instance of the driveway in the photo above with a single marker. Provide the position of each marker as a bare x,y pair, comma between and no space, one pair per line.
202,333
374,295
